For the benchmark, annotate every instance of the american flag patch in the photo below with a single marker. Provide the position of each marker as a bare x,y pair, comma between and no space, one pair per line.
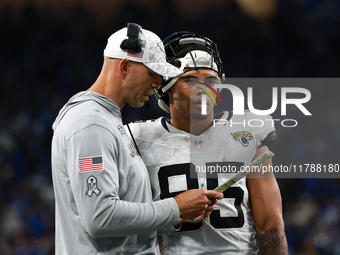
134,54
90,164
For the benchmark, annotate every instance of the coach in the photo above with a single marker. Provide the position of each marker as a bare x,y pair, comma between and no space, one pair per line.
102,188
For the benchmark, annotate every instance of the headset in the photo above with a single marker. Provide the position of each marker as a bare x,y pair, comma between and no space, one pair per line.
132,43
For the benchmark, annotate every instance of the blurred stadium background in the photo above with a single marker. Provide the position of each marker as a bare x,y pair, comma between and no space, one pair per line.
50,50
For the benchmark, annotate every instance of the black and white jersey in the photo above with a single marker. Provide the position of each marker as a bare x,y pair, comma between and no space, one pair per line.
178,161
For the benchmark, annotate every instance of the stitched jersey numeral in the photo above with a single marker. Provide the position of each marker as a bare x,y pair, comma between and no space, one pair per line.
216,220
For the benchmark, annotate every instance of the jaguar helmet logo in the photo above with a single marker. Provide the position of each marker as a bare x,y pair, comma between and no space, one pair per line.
243,137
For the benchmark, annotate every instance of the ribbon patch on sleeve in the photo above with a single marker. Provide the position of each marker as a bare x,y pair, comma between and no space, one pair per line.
92,186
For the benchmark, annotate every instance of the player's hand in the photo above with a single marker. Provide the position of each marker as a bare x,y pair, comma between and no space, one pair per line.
193,203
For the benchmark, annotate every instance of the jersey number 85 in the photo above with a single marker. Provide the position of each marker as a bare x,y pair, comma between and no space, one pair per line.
216,220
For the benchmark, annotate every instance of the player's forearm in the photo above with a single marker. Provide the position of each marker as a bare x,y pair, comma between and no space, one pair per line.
273,242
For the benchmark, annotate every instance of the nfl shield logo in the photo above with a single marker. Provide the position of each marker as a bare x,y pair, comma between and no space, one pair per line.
198,144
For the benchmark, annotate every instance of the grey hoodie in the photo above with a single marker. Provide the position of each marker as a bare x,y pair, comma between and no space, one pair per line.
102,188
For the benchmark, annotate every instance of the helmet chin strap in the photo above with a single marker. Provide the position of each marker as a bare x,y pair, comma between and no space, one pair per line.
184,63
163,106
161,103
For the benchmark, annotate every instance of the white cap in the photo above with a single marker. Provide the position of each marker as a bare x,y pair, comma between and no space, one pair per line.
152,54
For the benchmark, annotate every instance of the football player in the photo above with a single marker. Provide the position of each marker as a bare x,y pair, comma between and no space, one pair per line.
180,151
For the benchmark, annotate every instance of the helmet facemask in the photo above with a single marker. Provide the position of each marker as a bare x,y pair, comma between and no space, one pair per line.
188,51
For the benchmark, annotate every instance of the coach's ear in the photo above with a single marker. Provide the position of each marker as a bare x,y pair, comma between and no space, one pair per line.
124,66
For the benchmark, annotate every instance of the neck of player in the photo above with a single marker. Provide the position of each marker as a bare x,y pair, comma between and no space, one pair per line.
191,125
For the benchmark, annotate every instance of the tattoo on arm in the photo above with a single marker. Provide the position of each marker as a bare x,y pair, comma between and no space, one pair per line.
273,242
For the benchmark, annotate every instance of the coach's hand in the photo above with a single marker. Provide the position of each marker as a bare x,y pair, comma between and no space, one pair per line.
200,218
193,203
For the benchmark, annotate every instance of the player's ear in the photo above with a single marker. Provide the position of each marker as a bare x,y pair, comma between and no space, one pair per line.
170,92
124,67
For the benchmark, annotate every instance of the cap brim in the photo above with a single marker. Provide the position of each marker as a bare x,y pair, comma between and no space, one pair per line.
164,68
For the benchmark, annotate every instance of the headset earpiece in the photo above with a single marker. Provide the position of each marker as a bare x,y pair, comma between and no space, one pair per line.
132,43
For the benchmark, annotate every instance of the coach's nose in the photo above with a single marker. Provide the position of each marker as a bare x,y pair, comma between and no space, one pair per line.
156,83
